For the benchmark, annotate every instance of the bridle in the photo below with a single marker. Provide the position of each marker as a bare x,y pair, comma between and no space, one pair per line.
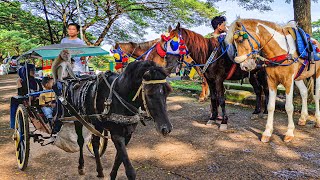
124,103
245,35
256,52
143,94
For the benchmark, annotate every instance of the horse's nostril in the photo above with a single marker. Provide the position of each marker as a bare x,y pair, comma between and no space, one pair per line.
165,131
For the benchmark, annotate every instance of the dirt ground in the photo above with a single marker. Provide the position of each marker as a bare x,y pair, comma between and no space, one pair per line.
192,151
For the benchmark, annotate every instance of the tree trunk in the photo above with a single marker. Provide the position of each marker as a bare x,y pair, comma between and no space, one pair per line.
48,22
302,14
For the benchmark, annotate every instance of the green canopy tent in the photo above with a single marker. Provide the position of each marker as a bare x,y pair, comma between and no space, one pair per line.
53,51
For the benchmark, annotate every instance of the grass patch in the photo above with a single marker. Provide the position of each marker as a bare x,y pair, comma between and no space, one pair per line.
196,86
186,85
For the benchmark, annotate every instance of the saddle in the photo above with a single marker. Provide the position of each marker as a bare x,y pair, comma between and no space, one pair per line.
306,47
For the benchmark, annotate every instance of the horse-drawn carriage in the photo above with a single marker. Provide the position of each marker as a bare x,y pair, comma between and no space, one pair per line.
25,110
107,102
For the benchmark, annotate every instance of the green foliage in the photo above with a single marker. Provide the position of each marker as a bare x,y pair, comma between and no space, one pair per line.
316,30
122,19
12,17
16,42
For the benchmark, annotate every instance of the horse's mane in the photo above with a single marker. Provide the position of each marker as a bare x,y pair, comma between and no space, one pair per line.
234,26
135,71
143,45
201,46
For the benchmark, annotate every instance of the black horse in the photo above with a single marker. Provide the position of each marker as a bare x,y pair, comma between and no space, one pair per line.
143,79
200,49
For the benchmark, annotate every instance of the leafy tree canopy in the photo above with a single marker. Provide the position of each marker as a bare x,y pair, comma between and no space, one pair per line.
123,19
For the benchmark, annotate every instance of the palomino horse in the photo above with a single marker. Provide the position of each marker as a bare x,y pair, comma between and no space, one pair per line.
263,42
136,50
118,97
221,68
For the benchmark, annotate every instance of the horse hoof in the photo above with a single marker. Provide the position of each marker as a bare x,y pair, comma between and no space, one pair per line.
202,99
265,139
302,122
288,138
210,122
223,127
81,171
254,116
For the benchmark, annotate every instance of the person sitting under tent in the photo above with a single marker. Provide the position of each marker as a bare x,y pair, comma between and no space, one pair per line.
27,78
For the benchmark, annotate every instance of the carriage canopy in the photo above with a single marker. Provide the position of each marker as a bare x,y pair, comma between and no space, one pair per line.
52,51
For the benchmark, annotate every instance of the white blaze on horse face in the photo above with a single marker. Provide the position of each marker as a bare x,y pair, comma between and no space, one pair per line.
248,65
280,39
240,59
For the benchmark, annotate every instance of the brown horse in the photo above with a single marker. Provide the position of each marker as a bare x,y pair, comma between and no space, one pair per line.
220,69
136,50
263,42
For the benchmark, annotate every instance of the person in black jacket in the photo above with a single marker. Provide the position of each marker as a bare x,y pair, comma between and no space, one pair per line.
34,84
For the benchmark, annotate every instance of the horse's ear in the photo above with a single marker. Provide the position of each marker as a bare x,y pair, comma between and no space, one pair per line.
169,28
238,24
168,70
178,26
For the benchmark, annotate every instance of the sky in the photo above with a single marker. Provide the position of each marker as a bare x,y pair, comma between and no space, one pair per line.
281,13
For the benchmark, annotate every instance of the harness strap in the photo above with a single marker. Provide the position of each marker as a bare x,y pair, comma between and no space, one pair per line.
209,61
132,109
141,89
109,100
301,69
152,47
161,52
279,58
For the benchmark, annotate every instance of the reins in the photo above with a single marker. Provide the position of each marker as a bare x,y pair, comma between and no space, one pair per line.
127,105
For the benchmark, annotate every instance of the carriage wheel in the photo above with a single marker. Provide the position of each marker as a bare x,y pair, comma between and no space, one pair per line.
21,137
102,145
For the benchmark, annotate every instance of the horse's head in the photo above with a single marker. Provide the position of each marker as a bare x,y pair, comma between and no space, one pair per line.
155,91
247,44
175,47
168,48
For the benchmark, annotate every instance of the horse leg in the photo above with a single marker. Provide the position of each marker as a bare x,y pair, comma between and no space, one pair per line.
222,104
304,95
214,106
265,88
257,90
118,161
204,85
316,101
95,145
206,88
121,156
266,135
80,141
289,109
